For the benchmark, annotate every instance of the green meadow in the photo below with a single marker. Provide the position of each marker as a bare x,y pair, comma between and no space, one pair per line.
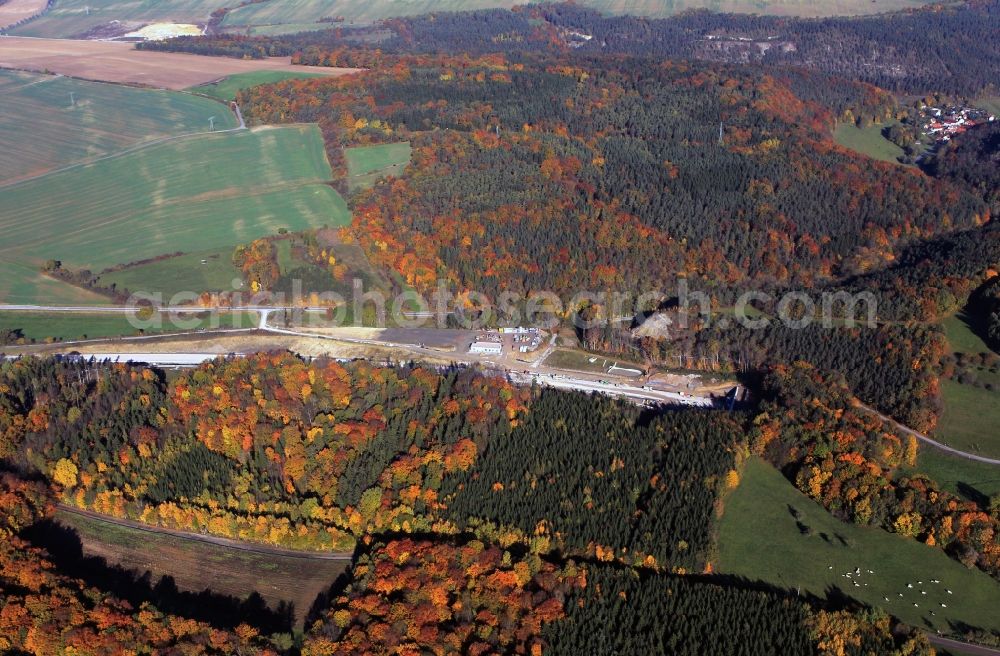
867,141
307,13
189,195
69,326
209,271
43,127
269,14
761,539
365,164
971,414
73,18
227,88
961,337
971,418
976,481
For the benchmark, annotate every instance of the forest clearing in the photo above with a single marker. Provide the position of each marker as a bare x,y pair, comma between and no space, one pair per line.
195,566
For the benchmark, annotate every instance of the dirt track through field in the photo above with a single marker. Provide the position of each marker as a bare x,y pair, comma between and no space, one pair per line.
113,61
15,11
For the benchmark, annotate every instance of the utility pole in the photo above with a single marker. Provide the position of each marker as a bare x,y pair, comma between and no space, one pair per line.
211,123
72,99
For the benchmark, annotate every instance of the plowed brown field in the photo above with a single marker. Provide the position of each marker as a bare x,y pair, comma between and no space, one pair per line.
17,10
112,61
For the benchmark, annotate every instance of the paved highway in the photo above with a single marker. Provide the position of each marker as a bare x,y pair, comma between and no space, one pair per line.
557,381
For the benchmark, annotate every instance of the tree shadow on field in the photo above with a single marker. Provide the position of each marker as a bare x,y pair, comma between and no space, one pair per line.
221,611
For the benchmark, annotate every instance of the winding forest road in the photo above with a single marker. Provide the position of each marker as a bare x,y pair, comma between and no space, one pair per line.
923,438
210,539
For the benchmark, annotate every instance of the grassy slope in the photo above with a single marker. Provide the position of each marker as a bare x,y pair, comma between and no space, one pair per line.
196,566
184,273
365,164
74,17
971,414
808,8
759,539
64,326
970,418
188,195
973,480
867,141
990,103
366,11
40,130
961,336
227,88
366,159
23,283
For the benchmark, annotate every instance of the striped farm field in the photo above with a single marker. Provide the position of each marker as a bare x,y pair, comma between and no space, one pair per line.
15,11
805,8
49,122
75,18
281,12
191,194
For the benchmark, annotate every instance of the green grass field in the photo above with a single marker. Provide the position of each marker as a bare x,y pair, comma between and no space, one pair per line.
24,282
970,419
184,273
69,18
66,326
759,539
867,141
227,88
311,11
308,12
189,195
989,103
972,480
581,361
971,414
40,130
807,8
366,164
211,271
961,336
73,18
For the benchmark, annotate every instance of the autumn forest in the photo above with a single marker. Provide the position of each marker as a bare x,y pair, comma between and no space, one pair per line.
554,148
